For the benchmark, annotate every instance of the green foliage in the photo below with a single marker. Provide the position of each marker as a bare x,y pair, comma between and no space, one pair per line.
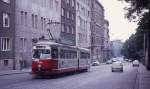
139,9
136,8
133,47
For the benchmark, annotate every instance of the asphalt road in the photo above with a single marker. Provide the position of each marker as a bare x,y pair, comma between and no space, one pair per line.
99,77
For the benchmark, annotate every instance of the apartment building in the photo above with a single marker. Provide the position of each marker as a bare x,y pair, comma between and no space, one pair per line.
97,31
83,20
32,18
106,41
68,20
7,33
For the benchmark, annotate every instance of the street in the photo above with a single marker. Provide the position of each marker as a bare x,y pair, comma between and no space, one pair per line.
99,77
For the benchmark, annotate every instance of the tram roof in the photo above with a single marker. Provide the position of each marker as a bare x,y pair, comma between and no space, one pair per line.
48,43
58,44
84,49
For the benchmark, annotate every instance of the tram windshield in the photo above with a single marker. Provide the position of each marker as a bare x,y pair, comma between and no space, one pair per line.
41,53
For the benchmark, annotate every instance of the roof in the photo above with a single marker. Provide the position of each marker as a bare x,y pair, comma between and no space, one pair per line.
47,43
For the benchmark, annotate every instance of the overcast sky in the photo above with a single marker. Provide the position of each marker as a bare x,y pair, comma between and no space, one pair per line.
120,28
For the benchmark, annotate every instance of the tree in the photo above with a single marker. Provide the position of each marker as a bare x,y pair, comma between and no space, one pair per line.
141,9
133,47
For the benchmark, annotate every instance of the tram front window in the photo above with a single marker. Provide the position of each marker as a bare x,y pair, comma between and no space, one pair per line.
41,54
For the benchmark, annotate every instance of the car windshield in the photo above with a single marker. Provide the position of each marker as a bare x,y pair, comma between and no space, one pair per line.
41,53
117,63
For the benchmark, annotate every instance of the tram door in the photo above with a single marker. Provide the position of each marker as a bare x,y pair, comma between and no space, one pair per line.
54,53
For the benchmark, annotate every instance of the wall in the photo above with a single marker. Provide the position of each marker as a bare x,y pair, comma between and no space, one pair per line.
7,57
83,19
32,17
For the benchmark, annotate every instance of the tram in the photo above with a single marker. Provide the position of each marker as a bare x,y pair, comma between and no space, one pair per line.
50,58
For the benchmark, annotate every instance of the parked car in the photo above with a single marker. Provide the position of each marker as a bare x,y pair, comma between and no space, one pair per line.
96,63
135,63
109,62
114,60
130,60
117,66
126,60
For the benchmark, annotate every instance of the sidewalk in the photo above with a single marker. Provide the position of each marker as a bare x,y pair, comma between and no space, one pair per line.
144,78
11,72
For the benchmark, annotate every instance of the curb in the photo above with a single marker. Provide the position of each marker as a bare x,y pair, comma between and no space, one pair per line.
14,73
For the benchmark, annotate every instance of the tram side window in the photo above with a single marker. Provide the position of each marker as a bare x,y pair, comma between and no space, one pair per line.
84,55
88,56
54,53
68,54
74,54
36,54
62,54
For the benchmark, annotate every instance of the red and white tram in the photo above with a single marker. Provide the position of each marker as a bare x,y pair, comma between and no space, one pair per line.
50,58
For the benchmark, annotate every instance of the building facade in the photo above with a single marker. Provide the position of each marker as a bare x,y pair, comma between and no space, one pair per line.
71,22
116,48
83,19
106,50
68,20
32,18
7,33
97,30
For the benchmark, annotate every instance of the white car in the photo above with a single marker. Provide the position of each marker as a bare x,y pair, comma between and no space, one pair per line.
135,63
117,66
96,63
109,62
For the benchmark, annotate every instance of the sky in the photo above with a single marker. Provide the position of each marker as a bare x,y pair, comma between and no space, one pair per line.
120,27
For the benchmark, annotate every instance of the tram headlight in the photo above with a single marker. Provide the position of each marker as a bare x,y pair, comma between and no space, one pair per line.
39,65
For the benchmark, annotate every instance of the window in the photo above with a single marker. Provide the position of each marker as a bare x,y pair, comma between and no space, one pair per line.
88,13
54,53
51,3
42,22
72,16
68,29
63,27
62,11
57,5
73,30
7,1
23,44
32,20
68,1
6,20
5,44
67,14
68,54
43,3
22,17
84,55
5,62
73,2
36,20
26,18
78,6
